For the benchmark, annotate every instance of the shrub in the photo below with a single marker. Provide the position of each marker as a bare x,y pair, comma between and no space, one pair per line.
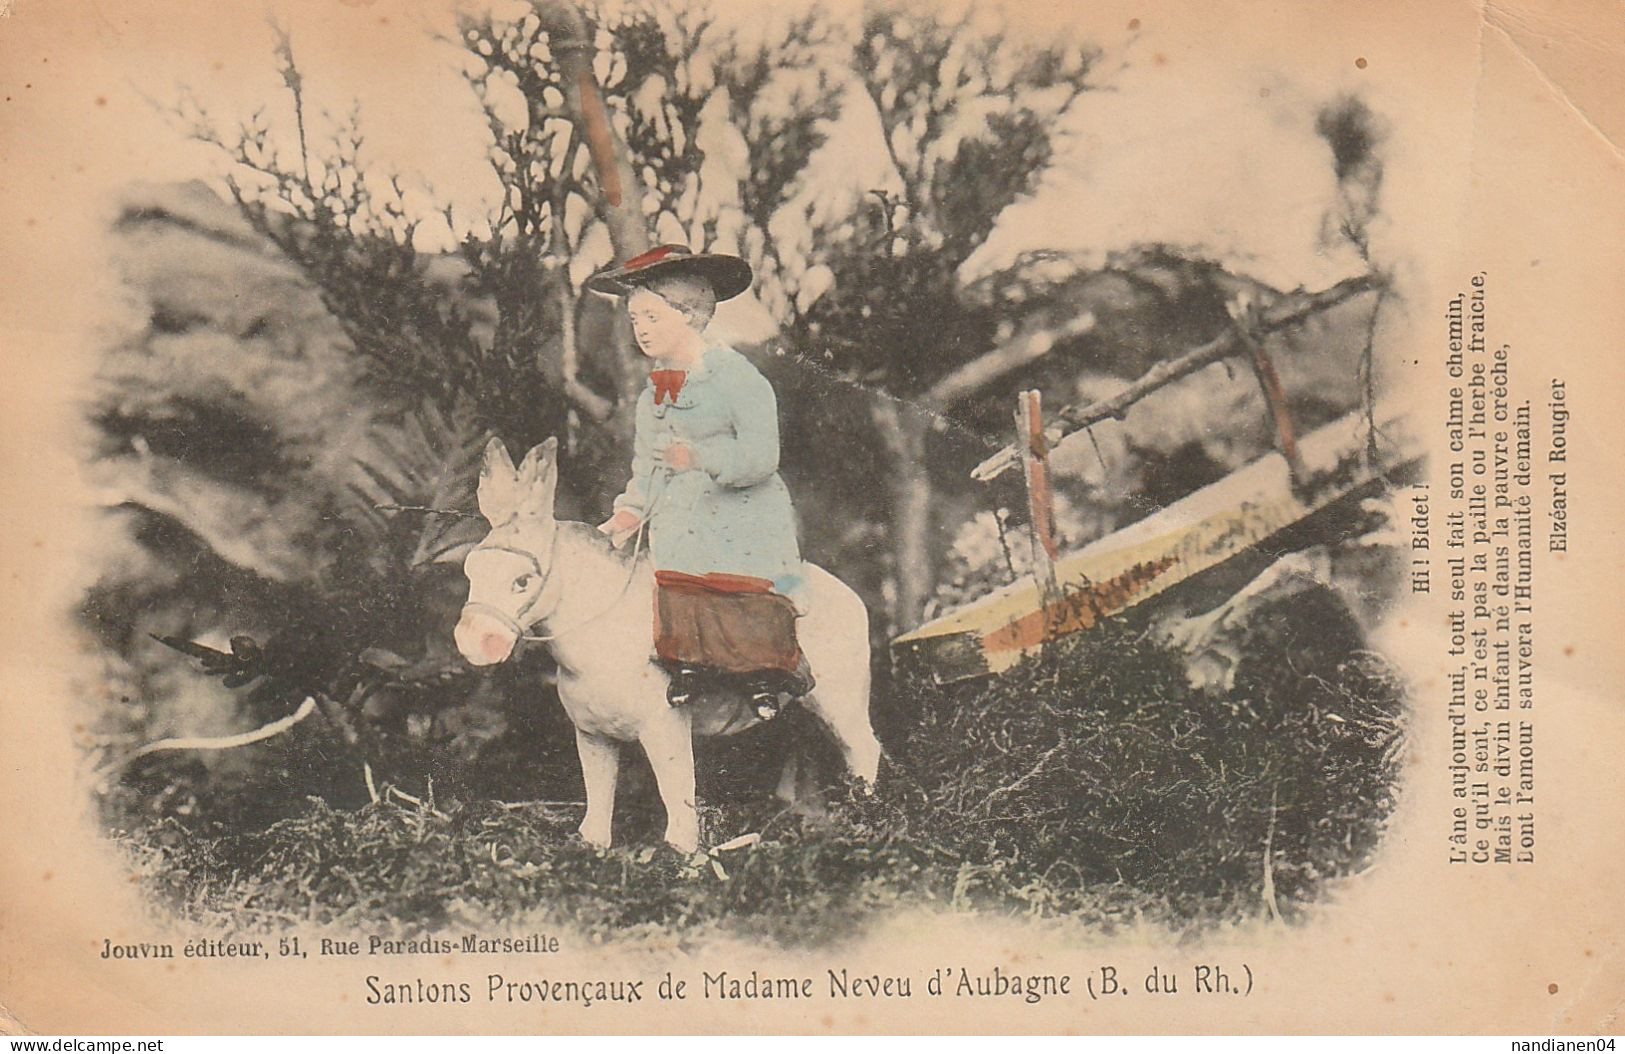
1088,782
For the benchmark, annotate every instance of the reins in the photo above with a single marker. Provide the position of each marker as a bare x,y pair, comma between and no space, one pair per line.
519,629
631,573
491,611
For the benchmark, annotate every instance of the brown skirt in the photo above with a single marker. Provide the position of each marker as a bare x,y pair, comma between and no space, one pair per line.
724,622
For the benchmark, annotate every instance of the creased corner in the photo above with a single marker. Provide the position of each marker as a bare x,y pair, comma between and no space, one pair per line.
9,1025
1564,64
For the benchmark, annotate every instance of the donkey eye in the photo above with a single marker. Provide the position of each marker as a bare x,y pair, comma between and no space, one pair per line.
521,583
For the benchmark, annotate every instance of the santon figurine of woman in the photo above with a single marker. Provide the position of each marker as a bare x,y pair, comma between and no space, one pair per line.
705,479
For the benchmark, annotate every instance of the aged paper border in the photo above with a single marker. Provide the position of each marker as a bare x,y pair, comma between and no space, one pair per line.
1522,105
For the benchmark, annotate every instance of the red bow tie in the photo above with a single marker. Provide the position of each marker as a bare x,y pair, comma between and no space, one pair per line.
667,384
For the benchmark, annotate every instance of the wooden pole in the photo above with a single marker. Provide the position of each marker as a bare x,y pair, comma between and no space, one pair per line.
620,200
1286,437
1040,497
1252,506
1289,311
570,38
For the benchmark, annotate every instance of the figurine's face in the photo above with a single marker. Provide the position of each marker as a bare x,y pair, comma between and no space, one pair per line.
661,330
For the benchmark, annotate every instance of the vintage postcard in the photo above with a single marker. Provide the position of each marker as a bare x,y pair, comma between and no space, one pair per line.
694,516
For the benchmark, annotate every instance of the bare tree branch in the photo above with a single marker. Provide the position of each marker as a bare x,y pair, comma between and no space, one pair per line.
1289,311
978,373
619,202
582,397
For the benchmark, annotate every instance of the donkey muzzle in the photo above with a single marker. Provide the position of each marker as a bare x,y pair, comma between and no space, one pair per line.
485,635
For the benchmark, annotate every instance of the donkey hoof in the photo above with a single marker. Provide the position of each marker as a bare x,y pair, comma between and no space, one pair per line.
858,789
684,845
597,839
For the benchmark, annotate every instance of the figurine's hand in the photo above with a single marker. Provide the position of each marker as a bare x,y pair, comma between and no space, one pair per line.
679,457
620,526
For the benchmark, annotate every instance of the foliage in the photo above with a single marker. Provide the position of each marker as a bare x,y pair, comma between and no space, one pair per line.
393,865
366,513
1098,759
323,544
1087,783
449,349
968,120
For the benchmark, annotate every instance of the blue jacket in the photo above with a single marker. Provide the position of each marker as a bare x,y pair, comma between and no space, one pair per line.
732,513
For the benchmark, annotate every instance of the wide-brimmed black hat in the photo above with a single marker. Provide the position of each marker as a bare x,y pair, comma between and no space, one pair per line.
729,275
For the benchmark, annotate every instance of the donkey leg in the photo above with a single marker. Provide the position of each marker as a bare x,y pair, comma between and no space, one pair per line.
600,766
669,742
848,724
786,790
861,751
799,789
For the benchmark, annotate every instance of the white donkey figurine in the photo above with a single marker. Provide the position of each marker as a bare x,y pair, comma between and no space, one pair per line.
536,578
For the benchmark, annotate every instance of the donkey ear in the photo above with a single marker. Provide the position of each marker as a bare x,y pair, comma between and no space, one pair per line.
539,479
541,458
499,484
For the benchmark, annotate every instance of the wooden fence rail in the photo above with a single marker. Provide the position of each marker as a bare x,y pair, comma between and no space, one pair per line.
1288,311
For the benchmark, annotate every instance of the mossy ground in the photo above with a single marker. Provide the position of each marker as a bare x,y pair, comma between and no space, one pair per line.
1089,782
